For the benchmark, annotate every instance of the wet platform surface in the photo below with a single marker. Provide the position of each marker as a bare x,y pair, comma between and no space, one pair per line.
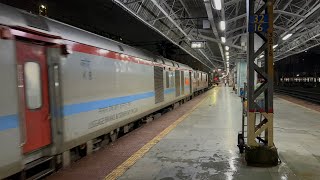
203,145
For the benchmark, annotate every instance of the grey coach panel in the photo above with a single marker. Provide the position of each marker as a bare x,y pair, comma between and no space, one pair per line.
88,77
9,115
8,78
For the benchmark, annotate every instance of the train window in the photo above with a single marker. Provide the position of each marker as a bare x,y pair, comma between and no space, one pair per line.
33,85
167,79
171,81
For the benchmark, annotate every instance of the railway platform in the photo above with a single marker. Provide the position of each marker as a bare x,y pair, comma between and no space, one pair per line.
199,141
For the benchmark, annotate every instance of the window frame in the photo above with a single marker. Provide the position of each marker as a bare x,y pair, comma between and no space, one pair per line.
25,85
167,80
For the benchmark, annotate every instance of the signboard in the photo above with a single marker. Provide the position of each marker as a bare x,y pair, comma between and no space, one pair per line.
258,23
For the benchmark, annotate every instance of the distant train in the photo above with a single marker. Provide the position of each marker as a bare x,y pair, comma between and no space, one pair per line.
64,89
301,70
300,81
213,79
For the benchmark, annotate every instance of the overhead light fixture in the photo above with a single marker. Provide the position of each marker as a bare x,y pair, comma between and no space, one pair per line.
227,56
261,56
197,44
227,53
43,10
227,48
222,25
217,4
287,36
274,46
223,39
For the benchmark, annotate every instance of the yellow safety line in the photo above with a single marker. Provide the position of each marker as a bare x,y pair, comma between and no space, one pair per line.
299,105
122,168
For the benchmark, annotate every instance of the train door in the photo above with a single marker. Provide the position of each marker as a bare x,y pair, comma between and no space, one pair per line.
182,82
33,85
177,82
190,80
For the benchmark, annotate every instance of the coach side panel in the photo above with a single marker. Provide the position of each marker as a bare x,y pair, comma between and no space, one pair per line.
10,154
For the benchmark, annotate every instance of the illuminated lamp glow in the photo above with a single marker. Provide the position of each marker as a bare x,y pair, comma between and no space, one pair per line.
222,25
223,39
287,36
217,4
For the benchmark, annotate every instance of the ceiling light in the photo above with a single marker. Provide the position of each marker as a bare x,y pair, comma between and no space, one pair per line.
228,57
227,48
217,4
197,44
222,25
274,46
223,39
287,36
227,53
261,56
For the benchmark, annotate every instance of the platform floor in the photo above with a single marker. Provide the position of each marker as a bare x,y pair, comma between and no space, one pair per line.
203,145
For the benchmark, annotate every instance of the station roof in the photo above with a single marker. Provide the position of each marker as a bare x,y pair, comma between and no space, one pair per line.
183,21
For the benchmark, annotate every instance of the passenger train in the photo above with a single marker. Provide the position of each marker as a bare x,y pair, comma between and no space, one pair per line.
64,89
300,81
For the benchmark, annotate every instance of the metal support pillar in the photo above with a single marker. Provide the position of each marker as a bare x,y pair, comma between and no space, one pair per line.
260,148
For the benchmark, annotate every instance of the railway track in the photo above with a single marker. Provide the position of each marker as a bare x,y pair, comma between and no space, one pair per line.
301,94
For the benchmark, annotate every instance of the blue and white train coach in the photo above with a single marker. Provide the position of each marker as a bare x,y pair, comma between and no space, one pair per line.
64,89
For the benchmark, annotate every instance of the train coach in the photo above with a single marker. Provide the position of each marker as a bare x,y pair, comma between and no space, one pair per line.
63,90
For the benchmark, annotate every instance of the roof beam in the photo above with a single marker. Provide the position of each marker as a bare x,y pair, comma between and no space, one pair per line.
301,39
231,2
236,18
289,14
284,8
184,46
212,23
167,15
219,42
310,12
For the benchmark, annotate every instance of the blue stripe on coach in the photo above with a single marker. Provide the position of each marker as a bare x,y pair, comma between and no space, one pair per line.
11,121
8,122
94,105
168,91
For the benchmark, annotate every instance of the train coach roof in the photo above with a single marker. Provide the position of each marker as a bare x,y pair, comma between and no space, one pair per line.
10,16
